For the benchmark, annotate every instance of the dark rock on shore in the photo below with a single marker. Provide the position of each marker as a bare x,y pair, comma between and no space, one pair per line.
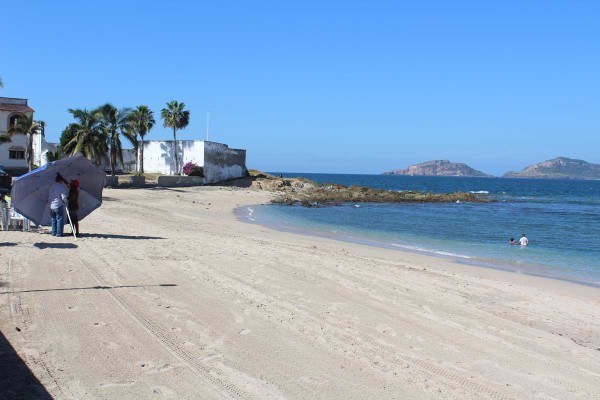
330,194
311,194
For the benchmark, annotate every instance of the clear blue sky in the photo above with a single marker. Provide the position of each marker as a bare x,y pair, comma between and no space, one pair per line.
323,86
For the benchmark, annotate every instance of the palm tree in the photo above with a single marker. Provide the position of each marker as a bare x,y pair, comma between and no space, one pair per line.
85,136
53,156
25,126
112,122
174,116
130,133
142,119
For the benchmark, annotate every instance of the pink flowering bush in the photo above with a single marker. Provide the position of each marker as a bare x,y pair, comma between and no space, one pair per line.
192,169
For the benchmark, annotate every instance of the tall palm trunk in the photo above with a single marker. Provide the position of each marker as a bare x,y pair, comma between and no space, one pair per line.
142,157
29,151
113,153
136,150
175,151
113,157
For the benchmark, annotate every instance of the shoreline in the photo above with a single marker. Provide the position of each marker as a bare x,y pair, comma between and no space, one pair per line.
540,271
169,294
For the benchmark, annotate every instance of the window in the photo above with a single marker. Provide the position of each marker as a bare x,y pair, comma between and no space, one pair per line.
16,154
14,119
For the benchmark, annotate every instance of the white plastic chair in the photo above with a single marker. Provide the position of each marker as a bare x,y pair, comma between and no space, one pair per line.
5,216
17,219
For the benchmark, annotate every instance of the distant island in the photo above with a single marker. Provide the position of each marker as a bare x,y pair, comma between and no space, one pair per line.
438,168
558,168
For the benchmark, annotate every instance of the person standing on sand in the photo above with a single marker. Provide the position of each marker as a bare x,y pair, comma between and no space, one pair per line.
73,204
57,198
524,241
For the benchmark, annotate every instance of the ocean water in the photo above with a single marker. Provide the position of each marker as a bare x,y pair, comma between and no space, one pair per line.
561,218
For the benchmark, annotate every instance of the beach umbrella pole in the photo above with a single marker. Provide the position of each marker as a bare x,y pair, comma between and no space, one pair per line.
71,223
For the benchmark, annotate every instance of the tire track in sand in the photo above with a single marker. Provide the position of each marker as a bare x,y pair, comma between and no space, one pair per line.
361,345
215,378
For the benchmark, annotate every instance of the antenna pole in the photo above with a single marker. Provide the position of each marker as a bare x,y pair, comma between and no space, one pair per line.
207,121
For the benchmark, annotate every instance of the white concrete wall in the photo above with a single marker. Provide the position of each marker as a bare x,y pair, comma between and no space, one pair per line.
222,163
18,142
128,161
4,115
159,155
40,148
218,160
45,148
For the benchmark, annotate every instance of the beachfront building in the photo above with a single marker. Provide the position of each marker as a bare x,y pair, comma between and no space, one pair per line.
217,159
12,154
219,162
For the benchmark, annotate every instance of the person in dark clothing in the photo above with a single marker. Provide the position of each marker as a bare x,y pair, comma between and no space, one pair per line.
73,202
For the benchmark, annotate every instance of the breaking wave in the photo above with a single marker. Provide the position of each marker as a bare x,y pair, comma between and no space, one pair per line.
425,250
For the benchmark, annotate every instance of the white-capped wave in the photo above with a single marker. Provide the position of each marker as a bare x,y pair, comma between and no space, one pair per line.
479,192
424,250
250,212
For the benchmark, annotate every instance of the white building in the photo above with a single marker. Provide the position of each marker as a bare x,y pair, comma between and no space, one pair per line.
12,154
218,160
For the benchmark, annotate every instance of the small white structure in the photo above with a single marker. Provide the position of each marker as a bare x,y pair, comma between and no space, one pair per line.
218,160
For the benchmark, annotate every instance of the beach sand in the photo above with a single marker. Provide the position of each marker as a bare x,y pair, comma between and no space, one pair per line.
168,295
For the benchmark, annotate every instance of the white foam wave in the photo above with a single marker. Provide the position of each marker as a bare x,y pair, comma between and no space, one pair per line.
250,212
479,192
424,250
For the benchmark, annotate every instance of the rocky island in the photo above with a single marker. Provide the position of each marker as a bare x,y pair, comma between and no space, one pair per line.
438,168
310,194
558,168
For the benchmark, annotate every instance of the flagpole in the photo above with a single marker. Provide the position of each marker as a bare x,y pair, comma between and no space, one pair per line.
207,121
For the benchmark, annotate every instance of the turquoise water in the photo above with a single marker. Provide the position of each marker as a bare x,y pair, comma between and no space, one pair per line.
561,218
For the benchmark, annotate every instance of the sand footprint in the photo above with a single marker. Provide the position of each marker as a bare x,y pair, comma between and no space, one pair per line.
386,329
164,392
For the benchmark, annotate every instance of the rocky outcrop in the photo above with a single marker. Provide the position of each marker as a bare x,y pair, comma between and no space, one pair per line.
558,168
311,194
334,194
438,168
